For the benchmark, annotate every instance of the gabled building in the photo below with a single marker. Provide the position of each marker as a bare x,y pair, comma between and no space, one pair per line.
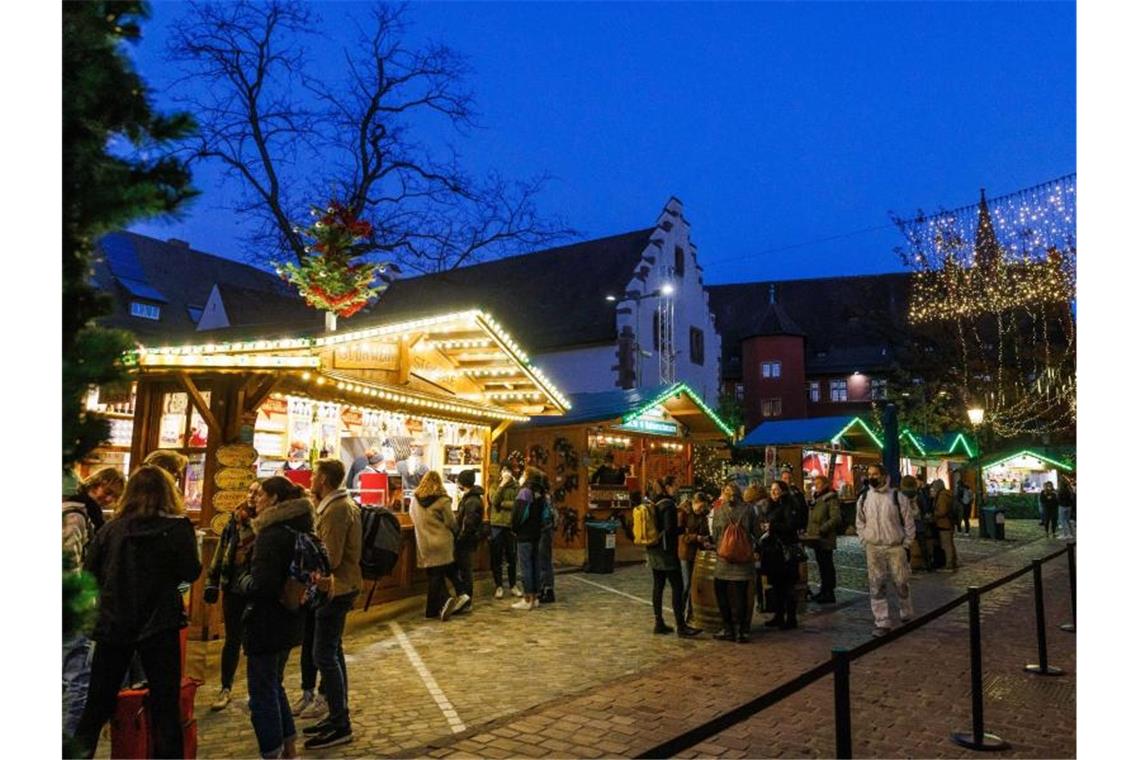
808,348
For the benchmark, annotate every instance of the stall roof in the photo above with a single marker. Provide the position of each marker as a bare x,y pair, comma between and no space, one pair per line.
1061,458
464,359
627,405
937,445
809,430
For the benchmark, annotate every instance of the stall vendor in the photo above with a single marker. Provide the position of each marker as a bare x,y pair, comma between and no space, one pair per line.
607,474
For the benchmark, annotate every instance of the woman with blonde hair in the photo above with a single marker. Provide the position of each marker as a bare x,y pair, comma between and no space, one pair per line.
139,558
435,529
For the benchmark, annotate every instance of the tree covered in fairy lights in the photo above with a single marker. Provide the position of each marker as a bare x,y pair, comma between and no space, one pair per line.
995,283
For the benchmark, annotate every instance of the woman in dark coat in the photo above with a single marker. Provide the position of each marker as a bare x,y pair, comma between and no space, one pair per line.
270,630
782,563
665,564
139,558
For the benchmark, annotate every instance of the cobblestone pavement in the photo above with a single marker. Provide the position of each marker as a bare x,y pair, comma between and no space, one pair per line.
586,678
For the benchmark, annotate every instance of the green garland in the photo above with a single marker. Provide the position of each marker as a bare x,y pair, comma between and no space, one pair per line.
327,278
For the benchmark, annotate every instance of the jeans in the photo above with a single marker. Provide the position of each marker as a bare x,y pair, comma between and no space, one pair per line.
268,706
529,563
888,563
732,599
76,678
687,589
502,547
1051,520
233,606
1066,518
677,583
825,558
464,565
328,653
162,660
782,576
308,664
437,588
546,560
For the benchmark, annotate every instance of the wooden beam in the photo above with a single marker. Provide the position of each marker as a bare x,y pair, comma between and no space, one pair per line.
200,403
256,397
404,362
498,431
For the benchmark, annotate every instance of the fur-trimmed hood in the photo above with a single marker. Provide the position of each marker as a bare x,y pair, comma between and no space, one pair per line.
299,511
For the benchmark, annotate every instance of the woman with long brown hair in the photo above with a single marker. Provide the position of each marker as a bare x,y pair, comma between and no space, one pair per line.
139,558
435,529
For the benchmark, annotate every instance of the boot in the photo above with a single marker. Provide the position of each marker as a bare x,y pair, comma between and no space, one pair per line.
661,627
775,622
728,634
789,622
686,631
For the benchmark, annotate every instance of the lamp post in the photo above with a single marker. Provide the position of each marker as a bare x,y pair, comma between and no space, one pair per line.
666,290
977,416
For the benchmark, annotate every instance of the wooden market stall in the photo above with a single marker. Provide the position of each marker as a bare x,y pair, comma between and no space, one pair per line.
600,455
429,393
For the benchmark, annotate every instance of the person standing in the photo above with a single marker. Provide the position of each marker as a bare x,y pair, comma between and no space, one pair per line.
1066,502
502,538
1050,508
664,563
824,523
435,528
82,517
526,522
470,519
231,561
338,526
885,527
694,523
797,496
963,504
139,558
924,521
269,629
733,573
944,524
782,562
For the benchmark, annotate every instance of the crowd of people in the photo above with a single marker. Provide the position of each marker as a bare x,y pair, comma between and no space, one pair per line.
143,558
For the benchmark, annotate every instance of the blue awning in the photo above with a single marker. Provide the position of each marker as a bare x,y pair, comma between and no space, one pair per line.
799,431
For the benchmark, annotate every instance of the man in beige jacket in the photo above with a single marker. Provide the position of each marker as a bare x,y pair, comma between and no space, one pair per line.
338,525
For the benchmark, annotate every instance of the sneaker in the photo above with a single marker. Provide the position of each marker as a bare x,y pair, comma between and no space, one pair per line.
318,709
222,701
448,608
318,728
726,635
331,738
516,590
302,704
687,631
463,603
522,604
878,631
499,592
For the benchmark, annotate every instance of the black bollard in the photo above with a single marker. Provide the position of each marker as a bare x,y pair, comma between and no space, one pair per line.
1042,666
977,739
842,678
1071,551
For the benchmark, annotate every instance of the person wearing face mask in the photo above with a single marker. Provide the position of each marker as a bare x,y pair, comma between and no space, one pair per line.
885,527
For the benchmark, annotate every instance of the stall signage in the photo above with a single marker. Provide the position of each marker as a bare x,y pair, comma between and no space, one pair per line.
1026,463
353,419
642,425
237,455
233,479
366,356
274,406
228,501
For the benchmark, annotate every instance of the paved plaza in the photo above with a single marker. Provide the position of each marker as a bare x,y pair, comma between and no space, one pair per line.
585,677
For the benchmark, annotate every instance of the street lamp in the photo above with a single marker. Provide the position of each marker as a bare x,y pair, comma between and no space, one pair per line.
977,415
665,290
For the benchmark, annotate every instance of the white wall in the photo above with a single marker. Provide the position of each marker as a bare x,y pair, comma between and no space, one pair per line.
581,370
691,307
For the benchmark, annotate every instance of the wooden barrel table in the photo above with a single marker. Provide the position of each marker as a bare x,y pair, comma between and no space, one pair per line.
706,612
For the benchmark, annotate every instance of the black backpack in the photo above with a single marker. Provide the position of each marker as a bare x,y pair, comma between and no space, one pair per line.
380,547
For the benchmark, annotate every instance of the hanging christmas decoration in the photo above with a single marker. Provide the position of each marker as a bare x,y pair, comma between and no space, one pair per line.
1000,278
333,277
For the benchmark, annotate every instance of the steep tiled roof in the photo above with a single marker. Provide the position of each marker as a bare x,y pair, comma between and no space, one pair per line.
549,299
842,318
137,267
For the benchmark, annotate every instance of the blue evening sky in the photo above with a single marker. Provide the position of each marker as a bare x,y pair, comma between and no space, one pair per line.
778,125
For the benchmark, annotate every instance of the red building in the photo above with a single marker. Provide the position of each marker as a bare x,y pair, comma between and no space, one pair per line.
809,348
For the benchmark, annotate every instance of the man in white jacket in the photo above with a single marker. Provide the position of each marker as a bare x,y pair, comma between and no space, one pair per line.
885,527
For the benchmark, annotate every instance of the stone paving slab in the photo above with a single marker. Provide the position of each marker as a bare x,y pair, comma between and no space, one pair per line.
583,677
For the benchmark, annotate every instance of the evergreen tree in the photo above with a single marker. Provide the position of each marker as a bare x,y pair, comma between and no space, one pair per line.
110,133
